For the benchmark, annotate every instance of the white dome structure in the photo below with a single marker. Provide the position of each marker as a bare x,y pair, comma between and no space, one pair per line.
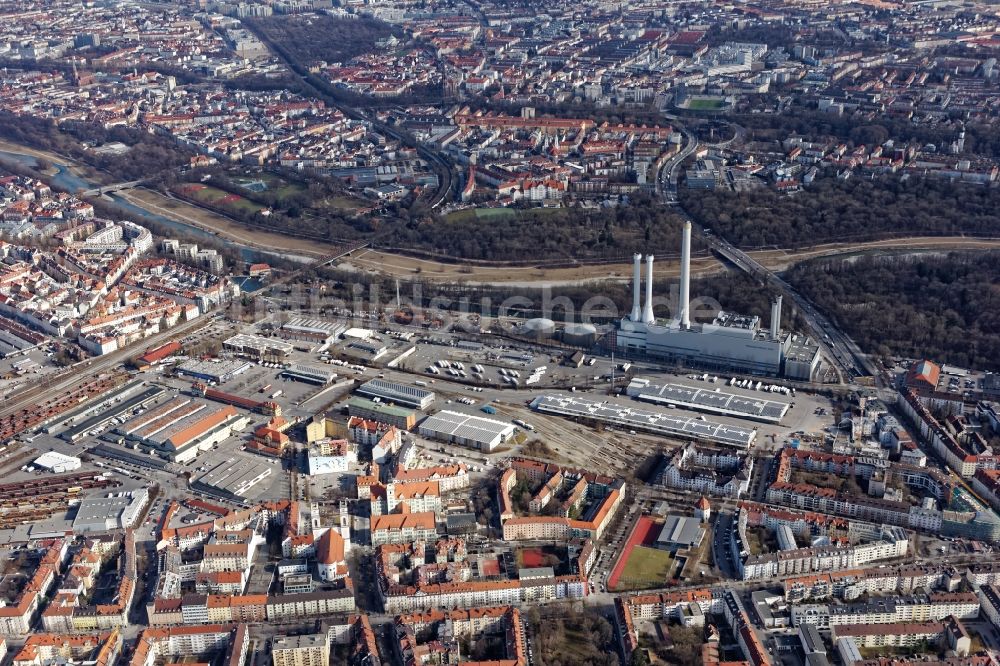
538,328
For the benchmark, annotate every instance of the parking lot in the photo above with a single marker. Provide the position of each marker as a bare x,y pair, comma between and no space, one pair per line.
16,371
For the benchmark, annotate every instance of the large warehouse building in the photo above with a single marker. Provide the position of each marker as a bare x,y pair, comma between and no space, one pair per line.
711,402
239,476
317,331
475,432
731,342
313,374
117,511
57,463
257,347
218,371
662,423
400,394
182,427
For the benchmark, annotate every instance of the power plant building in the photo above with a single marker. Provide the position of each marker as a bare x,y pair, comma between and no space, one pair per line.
731,341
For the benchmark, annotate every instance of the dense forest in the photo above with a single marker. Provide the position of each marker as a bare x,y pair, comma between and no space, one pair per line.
310,39
811,123
943,308
537,234
853,210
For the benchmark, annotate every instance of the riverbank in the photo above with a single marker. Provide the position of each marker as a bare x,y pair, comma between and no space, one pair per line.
186,219
213,224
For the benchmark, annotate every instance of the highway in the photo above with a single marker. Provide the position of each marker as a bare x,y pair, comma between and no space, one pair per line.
666,180
739,136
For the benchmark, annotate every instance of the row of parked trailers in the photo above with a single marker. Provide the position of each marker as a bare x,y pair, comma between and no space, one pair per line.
761,386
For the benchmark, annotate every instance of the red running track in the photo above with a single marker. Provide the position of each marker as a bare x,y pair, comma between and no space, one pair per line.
642,533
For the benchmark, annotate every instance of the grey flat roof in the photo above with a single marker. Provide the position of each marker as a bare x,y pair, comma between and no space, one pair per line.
94,405
98,509
801,348
713,401
236,475
680,530
258,342
402,394
309,372
109,414
460,520
536,572
221,368
812,641
648,420
314,326
466,426
301,641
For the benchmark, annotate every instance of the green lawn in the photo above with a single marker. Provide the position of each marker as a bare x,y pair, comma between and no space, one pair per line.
289,190
205,193
704,104
490,214
465,215
216,197
494,213
343,203
646,567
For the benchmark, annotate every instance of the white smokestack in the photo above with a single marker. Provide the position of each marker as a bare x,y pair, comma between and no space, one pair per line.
636,278
775,318
685,296
647,312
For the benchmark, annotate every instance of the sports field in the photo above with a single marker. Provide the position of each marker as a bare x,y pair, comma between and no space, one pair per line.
643,532
530,557
646,568
704,104
216,197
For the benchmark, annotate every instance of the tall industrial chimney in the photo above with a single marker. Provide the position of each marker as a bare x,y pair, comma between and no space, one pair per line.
647,312
685,296
636,278
775,318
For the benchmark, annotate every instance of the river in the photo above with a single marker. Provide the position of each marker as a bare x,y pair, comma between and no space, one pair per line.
65,179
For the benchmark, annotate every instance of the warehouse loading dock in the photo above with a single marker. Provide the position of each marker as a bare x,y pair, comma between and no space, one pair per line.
102,419
89,407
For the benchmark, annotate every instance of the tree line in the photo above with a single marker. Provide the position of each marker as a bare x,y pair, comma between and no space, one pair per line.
832,210
570,233
148,155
